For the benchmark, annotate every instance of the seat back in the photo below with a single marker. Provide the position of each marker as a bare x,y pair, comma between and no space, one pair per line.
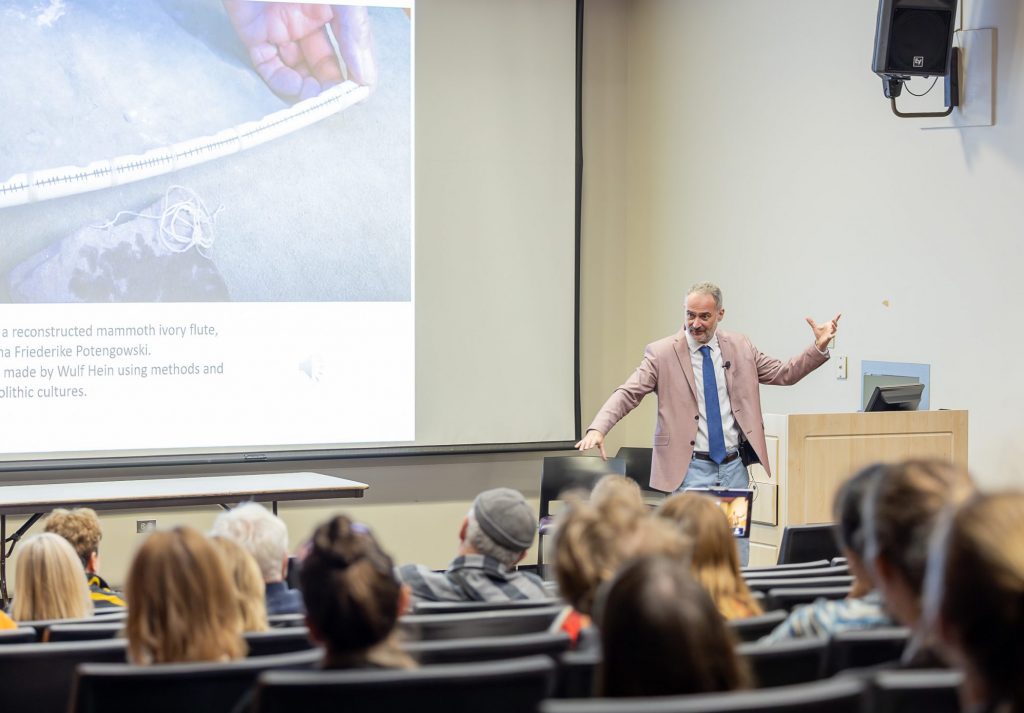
920,690
42,626
431,627
787,662
779,573
278,641
37,677
576,671
85,632
788,597
213,687
838,695
766,584
806,543
865,647
784,567
508,686
488,648
563,473
469,607
283,621
21,635
638,466
753,628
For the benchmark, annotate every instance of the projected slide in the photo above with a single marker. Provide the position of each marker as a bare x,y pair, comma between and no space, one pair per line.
206,225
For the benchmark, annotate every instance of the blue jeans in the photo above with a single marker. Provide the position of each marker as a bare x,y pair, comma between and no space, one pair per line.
708,474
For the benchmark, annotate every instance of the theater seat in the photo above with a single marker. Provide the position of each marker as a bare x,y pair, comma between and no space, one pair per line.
37,677
753,628
511,686
430,627
865,647
786,662
488,648
172,688
838,695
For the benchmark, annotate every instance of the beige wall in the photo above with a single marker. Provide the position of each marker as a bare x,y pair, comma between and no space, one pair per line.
762,155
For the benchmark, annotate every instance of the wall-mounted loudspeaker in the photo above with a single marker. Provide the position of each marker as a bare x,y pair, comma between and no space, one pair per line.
913,38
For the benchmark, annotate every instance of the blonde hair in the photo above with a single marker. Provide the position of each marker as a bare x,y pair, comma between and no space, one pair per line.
592,539
80,527
976,586
249,586
617,487
183,603
715,561
49,581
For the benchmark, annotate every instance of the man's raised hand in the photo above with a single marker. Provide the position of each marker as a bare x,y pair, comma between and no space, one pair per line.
824,332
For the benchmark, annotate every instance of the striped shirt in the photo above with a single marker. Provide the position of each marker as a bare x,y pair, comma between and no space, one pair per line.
471,578
824,617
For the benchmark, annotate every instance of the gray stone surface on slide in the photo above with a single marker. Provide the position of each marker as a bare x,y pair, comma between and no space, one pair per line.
322,214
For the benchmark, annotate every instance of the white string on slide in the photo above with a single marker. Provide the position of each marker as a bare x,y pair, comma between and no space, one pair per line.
184,221
50,183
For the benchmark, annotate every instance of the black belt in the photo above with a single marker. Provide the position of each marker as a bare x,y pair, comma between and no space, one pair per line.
729,457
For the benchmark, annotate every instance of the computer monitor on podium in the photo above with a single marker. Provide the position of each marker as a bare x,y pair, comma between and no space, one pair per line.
896,397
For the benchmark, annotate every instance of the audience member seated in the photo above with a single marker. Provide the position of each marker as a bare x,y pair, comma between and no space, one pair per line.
352,597
81,527
901,507
265,536
495,535
183,603
715,560
973,599
661,635
863,608
248,580
592,539
49,581
618,487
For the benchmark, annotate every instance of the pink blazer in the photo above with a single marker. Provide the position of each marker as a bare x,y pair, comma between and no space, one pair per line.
666,369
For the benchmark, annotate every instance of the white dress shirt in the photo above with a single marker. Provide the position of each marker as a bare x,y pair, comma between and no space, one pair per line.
729,427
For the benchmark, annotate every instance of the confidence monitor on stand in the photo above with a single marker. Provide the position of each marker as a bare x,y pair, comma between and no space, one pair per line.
897,397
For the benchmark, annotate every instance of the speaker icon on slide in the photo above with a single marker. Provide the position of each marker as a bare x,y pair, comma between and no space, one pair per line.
312,366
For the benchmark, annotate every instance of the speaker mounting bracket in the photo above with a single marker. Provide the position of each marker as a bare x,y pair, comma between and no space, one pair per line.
952,93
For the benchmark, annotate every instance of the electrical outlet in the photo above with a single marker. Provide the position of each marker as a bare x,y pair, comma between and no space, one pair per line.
841,364
145,526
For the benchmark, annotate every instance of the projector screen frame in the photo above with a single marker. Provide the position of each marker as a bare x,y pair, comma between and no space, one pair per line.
158,464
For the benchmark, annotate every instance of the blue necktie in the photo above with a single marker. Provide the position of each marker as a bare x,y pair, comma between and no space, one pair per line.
716,439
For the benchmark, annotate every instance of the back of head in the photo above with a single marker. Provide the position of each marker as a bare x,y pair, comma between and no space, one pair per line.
249,586
976,590
591,541
49,580
501,525
352,597
661,635
901,506
260,532
80,527
617,488
715,559
184,606
848,506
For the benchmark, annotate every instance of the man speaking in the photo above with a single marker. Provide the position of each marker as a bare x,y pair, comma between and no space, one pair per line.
702,442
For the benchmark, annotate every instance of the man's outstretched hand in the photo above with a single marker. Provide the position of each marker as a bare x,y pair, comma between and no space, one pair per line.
823,333
289,47
590,440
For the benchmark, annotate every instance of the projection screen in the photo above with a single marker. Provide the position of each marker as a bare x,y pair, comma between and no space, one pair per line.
244,230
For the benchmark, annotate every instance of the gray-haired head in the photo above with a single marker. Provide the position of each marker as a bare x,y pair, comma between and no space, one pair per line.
708,288
260,532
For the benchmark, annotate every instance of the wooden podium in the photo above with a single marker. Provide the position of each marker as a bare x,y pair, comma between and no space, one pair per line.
812,454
